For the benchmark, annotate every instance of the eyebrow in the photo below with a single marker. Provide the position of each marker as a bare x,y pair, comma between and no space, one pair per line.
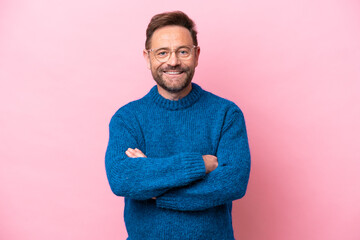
169,48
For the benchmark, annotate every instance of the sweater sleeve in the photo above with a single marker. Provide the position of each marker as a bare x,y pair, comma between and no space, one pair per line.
226,183
144,178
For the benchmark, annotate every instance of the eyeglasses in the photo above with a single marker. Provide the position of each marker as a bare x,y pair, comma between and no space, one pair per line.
164,54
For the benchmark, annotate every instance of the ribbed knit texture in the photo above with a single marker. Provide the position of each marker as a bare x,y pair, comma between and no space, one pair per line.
174,135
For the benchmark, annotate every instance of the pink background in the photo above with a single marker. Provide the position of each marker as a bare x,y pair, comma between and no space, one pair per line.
292,66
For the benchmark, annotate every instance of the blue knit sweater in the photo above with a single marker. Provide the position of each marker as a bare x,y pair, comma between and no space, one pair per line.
174,135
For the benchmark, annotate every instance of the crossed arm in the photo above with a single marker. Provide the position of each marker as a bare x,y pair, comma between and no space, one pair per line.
226,177
179,182
210,161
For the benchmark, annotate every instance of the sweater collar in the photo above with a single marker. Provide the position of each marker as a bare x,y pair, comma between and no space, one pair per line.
182,103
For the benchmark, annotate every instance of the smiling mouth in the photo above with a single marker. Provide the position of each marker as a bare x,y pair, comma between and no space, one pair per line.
172,72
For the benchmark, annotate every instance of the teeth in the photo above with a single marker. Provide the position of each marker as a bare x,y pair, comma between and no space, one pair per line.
172,72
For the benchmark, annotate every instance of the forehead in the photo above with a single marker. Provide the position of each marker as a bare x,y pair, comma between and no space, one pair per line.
171,36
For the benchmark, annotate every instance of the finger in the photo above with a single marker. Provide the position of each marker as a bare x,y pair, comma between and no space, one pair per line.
138,151
141,154
134,154
132,151
130,154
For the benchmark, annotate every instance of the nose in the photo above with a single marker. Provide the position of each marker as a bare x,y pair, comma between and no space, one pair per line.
173,60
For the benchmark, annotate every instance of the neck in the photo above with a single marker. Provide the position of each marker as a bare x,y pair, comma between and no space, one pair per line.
174,96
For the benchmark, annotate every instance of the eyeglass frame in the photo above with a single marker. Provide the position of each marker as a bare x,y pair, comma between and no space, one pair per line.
171,51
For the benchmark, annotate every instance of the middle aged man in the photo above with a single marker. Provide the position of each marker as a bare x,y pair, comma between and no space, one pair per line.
180,154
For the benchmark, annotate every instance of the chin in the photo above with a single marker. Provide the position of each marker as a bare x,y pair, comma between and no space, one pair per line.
175,88
172,86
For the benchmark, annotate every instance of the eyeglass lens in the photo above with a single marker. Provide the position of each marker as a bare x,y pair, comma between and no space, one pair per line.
163,54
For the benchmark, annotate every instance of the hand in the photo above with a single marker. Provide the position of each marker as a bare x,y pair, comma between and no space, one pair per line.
134,153
211,162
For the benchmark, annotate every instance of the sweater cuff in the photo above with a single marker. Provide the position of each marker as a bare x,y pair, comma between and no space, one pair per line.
194,166
167,202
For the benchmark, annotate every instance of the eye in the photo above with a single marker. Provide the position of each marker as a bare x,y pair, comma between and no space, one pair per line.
184,52
162,53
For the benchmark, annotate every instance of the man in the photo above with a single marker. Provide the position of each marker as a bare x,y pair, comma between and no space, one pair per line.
180,154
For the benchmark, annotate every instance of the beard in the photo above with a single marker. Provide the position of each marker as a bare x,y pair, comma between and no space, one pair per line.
158,75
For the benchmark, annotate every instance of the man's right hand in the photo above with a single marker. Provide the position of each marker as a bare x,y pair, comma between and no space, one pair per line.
211,162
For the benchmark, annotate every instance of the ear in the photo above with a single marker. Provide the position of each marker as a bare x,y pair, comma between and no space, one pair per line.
197,54
147,58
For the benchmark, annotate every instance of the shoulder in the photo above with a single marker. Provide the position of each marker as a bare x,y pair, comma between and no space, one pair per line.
131,108
127,109
220,103
128,113
222,108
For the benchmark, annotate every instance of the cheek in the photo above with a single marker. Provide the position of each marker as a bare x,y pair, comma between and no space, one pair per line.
191,66
157,67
